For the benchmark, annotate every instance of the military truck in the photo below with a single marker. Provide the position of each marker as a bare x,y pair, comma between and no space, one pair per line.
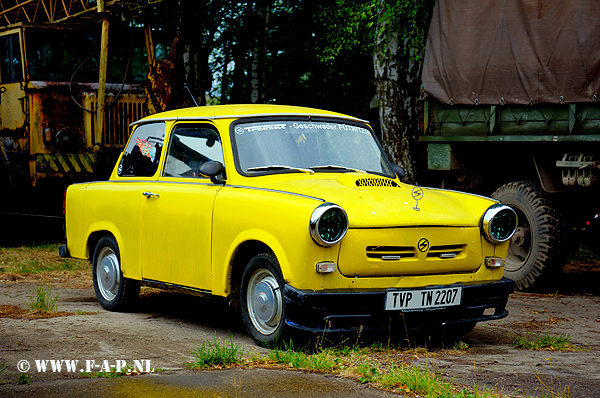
511,110
57,80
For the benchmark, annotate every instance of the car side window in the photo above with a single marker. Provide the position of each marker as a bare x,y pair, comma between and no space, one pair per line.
190,146
141,157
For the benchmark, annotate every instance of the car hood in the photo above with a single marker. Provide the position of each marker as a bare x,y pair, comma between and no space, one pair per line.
375,201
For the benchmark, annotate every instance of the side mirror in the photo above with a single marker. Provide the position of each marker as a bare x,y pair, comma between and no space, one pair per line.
212,169
399,171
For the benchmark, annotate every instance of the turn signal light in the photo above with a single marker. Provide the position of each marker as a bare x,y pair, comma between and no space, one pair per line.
326,267
494,262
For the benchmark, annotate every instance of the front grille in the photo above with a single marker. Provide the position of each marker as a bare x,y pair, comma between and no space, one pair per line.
448,251
390,252
404,252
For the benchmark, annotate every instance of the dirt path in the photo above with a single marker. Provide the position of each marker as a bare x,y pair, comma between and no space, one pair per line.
166,327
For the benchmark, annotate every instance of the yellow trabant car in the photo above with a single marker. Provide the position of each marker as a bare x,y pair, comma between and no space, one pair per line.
295,214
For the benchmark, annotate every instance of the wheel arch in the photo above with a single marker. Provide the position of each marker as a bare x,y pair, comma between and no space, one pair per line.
243,254
93,239
130,260
242,250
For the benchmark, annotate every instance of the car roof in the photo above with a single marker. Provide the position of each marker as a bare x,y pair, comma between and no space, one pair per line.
237,111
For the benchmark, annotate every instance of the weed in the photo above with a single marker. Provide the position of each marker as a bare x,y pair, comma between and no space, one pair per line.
79,312
44,301
323,359
23,378
550,391
368,372
3,368
545,342
583,255
217,353
460,346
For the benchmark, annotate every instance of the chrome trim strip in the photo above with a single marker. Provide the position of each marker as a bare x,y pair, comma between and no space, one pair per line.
465,193
203,183
391,258
277,191
207,118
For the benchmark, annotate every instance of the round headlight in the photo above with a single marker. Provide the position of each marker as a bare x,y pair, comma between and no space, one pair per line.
328,224
499,223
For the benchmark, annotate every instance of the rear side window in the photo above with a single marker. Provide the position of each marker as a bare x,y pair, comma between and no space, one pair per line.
142,154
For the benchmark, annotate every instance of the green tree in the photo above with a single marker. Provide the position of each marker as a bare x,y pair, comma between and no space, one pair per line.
396,36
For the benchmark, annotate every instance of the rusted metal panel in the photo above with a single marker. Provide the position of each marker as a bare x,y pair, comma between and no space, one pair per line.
118,116
71,163
12,106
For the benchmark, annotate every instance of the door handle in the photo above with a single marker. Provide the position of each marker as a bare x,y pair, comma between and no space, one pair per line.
150,194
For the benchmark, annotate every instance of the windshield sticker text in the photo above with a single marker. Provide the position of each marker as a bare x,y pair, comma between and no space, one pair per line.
241,130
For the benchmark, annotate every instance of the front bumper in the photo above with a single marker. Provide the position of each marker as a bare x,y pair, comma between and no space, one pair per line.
349,311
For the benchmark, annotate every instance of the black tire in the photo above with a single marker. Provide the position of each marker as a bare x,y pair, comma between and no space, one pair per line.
114,292
533,248
262,301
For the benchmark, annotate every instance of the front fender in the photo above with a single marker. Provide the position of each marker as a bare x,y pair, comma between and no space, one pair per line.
277,220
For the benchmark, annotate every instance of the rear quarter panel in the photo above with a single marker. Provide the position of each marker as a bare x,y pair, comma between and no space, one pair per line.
109,208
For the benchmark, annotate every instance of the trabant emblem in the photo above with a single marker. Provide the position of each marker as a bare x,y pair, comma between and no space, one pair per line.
423,245
417,194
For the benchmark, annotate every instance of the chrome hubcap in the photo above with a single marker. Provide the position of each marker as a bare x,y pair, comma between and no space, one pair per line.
108,274
264,301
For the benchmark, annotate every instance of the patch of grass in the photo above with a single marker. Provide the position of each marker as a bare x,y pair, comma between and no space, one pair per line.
396,375
582,255
79,312
36,259
546,342
44,301
424,382
217,353
323,360
125,371
460,346
23,378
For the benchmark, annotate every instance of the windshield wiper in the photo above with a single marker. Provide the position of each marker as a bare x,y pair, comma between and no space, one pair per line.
334,167
280,167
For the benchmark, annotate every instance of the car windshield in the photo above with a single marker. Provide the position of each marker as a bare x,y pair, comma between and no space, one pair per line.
308,146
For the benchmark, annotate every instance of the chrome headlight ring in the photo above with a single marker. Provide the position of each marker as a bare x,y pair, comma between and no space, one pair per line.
328,224
499,223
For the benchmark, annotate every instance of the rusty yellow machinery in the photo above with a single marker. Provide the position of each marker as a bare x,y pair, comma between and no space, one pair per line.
65,100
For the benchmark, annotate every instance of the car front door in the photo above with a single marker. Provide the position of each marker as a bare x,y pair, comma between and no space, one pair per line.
177,214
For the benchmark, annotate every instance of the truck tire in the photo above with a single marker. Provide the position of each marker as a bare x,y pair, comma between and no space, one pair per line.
533,247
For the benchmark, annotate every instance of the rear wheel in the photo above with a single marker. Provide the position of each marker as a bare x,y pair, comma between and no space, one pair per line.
262,302
114,292
533,247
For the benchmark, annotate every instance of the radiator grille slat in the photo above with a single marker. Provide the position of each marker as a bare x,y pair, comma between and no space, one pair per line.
117,118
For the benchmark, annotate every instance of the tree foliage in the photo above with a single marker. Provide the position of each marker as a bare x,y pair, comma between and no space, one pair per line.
326,54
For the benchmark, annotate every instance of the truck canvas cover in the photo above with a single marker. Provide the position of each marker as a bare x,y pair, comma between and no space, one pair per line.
513,52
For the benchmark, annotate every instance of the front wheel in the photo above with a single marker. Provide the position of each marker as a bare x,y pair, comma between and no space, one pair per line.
114,292
262,302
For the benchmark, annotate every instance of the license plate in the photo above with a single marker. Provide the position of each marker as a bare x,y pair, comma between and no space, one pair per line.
423,299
